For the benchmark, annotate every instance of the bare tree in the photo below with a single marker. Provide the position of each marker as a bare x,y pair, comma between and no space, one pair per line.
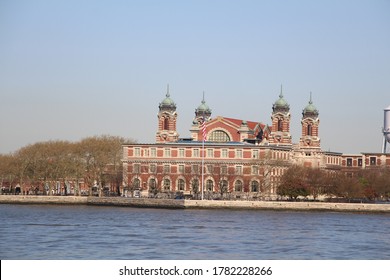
294,183
98,153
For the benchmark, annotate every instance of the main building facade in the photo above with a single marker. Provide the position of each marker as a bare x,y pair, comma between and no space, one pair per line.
227,157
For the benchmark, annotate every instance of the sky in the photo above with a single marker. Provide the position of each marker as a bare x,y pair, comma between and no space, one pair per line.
74,69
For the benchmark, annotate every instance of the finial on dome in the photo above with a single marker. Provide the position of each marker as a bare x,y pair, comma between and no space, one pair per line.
168,95
281,91
310,108
203,101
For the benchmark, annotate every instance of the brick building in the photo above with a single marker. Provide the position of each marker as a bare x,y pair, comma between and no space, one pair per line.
239,159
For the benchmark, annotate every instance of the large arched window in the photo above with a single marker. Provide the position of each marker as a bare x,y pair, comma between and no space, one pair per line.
254,186
181,185
195,185
238,186
167,185
219,136
136,183
209,185
152,184
224,186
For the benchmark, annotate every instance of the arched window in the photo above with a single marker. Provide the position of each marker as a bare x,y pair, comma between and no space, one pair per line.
280,125
209,185
195,185
309,130
181,185
167,184
238,186
166,124
254,186
136,183
223,185
152,184
219,136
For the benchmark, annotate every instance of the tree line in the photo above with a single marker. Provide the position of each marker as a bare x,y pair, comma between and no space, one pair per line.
364,184
93,162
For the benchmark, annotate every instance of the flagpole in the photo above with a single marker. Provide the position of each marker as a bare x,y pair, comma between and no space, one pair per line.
203,168
203,128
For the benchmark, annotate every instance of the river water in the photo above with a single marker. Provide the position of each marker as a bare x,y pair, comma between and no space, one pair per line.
102,233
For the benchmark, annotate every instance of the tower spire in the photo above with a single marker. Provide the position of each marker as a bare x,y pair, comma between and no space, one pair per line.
281,91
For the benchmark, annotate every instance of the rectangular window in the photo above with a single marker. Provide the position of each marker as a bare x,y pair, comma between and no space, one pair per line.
136,168
153,152
239,154
223,169
195,169
167,168
181,153
372,160
153,168
224,153
210,169
195,152
349,162
167,152
255,170
360,162
137,152
238,170
255,154
210,153
181,169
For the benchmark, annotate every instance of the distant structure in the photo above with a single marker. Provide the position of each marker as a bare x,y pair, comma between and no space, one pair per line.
386,129
232,157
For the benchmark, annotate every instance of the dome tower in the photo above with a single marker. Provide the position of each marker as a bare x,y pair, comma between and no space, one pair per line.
167,117
310,123
280,132
202,113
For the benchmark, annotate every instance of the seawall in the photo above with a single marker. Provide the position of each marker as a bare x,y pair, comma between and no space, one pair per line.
290,206
195,204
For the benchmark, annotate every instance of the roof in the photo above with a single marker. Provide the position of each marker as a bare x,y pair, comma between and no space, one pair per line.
251,124
193,143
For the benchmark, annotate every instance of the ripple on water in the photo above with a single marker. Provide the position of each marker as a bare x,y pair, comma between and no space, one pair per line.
73,232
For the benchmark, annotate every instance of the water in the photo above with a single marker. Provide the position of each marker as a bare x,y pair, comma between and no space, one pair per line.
87,232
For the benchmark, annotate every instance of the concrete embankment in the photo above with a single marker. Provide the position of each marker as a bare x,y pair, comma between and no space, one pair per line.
195,204
36,199
91,200
137,202
285,205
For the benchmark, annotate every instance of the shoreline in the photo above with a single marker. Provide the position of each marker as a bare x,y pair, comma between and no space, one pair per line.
195,204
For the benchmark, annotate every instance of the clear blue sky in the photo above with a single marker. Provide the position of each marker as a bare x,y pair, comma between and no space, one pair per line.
72,69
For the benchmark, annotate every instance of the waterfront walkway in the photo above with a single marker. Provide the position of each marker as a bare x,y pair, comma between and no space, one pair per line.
195,204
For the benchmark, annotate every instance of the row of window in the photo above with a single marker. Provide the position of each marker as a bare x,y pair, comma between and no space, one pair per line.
372,161
194,185
350,161
195,152
333,160
195,169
